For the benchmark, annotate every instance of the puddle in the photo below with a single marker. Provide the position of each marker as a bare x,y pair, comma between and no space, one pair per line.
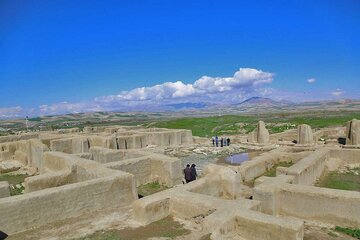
237,159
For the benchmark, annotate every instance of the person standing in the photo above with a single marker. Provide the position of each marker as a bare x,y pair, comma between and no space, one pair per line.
221,142
187,173
213,141
193,172
228,141
216,140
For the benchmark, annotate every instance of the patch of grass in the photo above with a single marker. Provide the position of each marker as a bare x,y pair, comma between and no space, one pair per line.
272,171
13,179
150,188
278,129
15,190
344,181
349,231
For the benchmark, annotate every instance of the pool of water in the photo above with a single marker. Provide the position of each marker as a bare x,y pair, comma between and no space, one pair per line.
239,158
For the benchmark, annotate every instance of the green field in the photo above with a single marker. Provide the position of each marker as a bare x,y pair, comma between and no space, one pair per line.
235,124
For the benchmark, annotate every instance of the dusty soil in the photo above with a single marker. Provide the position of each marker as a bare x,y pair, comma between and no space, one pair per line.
166,228
80,226
114,224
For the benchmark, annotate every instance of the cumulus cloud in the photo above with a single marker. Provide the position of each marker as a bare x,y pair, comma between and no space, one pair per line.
158,92
311,80
245,83
338,92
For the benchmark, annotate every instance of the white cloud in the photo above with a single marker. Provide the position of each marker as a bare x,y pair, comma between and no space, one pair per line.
245,83
311,80
11,112
158,92
66,107
338,92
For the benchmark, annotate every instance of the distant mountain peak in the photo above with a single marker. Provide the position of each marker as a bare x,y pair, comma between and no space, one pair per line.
262,101
256,99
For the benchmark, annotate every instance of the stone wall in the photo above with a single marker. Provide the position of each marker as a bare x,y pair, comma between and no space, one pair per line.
13,138
96,188
70,145
105,155
150,168
309,169
332,206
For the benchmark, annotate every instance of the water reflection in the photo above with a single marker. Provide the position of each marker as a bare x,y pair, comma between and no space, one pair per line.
237,159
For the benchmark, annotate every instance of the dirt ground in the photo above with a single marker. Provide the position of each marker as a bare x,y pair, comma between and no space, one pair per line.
315,231
80,226
114,224
118,224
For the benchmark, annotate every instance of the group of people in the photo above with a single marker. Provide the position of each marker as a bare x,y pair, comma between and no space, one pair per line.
190,173
223,141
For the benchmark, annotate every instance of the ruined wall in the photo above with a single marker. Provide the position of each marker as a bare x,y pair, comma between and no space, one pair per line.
49,180
27,152
353,132
167,170
346,156
332,206
140,167
13,138
309,169
131,142
260,164
70,145
150,168
253,225
305,134
108,189
330,133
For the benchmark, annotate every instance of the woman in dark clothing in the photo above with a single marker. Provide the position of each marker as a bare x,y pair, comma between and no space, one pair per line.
187,173
193,172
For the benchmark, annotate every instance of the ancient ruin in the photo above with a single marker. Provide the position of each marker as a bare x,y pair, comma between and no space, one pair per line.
353,132
260,134
70,173
305,134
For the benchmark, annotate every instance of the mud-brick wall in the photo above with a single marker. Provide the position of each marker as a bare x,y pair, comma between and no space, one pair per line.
332,206
139,167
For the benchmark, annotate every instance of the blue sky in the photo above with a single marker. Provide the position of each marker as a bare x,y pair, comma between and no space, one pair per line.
69,56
